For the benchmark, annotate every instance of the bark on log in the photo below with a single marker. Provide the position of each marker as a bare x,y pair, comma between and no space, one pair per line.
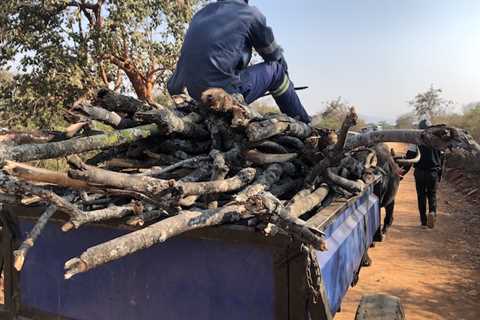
115,102
261,130
112,212
286,186
168,123
263,183
219,172
260,158
9,198
29,173
123,164
438,137
352,186
21,253
146,217
220,101
243,178
96,176
14,186
188,146
29,152
333,153
303,202
194,162
270,147
149,236
269,208
108,117
292,142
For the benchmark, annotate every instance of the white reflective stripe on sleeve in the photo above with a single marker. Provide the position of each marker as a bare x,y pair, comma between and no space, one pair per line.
269,49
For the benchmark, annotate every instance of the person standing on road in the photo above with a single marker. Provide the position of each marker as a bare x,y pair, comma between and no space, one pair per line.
428,173
217,51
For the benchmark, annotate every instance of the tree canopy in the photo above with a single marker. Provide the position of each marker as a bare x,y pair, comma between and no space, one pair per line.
430,103
63,50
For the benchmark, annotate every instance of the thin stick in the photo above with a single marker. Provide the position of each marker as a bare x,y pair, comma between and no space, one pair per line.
21,253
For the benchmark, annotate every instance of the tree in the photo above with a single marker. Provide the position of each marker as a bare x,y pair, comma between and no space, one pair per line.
405,121
430,103
66,48
333,115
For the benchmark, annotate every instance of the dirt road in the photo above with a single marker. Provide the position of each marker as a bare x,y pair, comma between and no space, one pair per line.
436,273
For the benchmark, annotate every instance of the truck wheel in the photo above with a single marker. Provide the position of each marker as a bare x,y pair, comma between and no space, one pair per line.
380,307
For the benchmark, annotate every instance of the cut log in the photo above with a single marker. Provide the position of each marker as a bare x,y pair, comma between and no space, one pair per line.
220,101
270,147
260,158
115,102
108,117
268,208
263,183
219,172
333,153
243,178
280,125
352,186
10,198
192,163
29,173
292,142
50,150
149,236
286,186
100,177
303,201
14,186
146,217
112,212
168,122
21,253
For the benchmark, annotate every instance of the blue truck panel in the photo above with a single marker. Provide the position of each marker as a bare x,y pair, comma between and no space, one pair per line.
216,275
180,279
348,237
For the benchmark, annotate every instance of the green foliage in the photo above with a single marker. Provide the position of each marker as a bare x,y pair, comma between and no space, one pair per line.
430,103
333,115
63,50
469,120
406,121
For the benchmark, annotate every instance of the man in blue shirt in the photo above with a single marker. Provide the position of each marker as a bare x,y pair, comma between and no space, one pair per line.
218,48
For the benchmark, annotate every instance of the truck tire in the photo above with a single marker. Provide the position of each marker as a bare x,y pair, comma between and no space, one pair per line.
380,307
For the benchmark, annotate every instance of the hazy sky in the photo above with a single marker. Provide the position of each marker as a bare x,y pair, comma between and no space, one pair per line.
378,54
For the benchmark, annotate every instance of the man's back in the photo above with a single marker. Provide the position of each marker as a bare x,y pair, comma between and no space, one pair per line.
217,45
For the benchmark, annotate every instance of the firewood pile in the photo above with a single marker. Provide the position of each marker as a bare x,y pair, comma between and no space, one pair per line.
169,171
